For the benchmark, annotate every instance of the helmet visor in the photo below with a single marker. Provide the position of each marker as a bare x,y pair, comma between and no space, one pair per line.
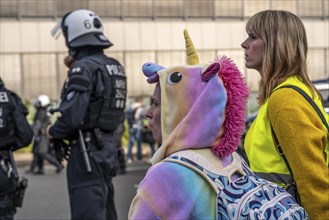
57,30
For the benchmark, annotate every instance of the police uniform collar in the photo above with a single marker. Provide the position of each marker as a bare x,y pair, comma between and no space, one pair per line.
85,51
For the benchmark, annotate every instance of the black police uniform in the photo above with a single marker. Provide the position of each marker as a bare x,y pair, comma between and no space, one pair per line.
41,148
15,133
93,100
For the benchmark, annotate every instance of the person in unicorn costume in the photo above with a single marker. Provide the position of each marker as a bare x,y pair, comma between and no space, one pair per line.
197,114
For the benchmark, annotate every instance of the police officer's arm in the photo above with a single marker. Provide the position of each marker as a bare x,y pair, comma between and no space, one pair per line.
74,103
23,130
36,126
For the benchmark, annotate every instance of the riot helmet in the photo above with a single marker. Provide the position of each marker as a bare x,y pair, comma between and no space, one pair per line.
82,28
43,101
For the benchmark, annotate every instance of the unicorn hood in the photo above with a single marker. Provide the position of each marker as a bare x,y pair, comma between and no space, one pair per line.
202,105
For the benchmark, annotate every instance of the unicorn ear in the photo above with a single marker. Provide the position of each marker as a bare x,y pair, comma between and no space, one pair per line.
210,72
192,56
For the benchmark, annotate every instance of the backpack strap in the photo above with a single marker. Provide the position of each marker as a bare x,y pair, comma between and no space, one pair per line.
194,167
312,103
207,165
278,146
316,108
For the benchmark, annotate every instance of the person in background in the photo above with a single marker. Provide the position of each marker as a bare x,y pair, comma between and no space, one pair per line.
92,107
148,138
276,47
135,118
15,133
197,114
41,146
68,61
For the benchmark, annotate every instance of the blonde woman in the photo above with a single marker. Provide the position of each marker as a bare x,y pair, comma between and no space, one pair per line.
276,47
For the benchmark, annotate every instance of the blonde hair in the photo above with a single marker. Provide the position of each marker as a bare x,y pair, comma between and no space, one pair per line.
285,50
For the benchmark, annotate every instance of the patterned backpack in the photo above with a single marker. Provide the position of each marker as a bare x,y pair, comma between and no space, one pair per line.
248,197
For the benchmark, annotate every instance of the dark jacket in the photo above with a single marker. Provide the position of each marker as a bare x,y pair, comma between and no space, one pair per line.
22,130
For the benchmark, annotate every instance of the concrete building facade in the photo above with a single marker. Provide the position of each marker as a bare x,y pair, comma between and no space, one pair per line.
31,61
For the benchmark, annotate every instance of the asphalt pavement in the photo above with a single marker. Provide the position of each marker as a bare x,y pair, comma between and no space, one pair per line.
46,197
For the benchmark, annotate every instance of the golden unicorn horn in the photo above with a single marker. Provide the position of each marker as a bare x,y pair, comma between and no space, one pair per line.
192,56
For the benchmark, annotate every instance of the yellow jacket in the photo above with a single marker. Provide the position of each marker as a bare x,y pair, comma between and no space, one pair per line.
304,140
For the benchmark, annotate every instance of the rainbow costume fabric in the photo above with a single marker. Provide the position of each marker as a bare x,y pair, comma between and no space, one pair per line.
202,109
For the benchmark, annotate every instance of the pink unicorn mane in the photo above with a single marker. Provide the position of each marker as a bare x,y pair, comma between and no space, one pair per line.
237,95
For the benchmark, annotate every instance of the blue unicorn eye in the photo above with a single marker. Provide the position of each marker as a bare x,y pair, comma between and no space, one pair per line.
174,78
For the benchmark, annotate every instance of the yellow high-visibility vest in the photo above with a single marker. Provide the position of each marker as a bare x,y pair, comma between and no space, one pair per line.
259,144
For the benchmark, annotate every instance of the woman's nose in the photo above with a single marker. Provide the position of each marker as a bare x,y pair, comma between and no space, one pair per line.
148,113
244,45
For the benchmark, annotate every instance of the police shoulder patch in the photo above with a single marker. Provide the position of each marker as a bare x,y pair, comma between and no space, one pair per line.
77,69
70,95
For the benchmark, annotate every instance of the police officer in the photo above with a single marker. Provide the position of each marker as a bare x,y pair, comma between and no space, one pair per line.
15,133
41,147
92,106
